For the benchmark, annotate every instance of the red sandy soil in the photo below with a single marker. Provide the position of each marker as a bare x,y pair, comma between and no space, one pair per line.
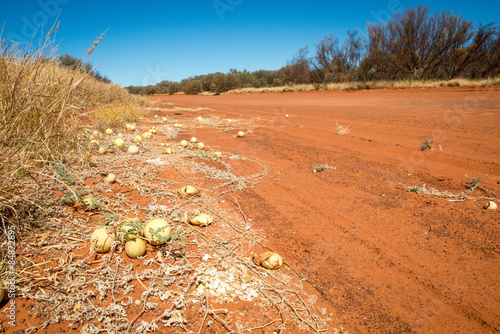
387,260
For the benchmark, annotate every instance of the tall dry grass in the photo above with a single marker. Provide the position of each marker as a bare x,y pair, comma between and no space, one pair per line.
41,104
382,84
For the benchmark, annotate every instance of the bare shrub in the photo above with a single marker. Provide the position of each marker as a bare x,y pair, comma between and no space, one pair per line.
426,145
342,130
417,45
297,71
337,61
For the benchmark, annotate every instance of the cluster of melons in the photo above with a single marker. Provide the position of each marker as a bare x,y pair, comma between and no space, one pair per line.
150,132
169,150
194,140
130,127
118,142
133,234
157,232
132,149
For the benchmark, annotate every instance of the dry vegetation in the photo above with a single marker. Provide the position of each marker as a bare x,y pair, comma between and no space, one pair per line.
382,84
114,116
41,104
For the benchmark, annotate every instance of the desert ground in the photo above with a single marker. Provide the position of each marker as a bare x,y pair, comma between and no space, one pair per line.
376,234
384,259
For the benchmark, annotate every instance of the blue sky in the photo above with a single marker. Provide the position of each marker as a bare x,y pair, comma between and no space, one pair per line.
151,41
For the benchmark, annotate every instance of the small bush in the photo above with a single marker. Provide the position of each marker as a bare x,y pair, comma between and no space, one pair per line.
193,87
341,130
426,145
114,116
173,88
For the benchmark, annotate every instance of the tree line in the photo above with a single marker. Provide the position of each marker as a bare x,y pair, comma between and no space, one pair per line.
414,45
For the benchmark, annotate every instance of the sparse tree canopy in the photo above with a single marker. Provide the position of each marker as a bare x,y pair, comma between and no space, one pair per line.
298,70
334,60
418,45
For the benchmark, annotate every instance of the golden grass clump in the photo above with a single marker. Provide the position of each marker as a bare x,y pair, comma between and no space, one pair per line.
96,94
114,116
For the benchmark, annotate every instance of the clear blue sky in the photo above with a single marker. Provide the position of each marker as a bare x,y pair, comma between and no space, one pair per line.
151,41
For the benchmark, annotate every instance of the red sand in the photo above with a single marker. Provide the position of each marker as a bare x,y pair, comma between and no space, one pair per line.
387,260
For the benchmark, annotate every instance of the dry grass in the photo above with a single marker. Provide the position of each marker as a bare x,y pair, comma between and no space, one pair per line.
341,130
144,101
114,116
373,85
40,106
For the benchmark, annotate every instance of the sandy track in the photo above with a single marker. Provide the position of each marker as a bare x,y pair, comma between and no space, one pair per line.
386,259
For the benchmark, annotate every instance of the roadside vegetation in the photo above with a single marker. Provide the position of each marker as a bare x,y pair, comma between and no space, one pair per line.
413,49
42,100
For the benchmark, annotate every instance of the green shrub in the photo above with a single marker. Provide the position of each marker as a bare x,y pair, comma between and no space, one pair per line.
192,87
